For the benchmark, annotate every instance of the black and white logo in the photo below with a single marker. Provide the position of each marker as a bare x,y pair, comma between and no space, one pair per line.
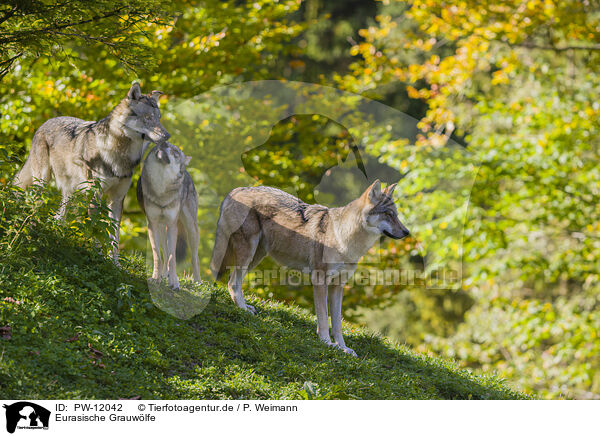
26,415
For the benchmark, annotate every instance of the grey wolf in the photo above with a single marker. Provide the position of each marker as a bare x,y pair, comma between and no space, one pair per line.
328,242
77,151
167,196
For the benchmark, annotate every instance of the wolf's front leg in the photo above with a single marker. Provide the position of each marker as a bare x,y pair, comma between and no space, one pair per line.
153,234
116,194
62,209
320,295
171,260
337,292
116,211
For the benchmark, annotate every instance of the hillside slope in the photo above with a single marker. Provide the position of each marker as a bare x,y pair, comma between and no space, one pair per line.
72,325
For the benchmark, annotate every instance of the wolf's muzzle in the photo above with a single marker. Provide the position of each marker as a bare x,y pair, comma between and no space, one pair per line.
159,135
402,235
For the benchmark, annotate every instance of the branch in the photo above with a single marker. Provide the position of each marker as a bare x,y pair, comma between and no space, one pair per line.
62,26
11,60
103,39
7,64
8,14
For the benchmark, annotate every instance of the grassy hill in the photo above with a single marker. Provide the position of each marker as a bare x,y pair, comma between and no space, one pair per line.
73,325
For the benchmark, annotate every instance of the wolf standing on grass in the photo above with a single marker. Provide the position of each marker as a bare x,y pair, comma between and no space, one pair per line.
166,194
329,242
77,151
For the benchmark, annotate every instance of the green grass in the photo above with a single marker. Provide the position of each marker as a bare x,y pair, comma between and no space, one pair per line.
82,328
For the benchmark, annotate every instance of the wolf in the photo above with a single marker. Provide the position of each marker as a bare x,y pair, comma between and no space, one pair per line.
166,194
327,242
77,151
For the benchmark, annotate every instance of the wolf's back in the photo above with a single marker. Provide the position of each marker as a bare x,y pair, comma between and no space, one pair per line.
58,134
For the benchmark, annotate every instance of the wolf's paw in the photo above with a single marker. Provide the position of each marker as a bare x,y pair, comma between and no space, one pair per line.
250,309
327,341
173,284
347,350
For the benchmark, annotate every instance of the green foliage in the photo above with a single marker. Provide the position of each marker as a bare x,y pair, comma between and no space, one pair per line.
77,326
33,29
298,153
322,48
517,84
510,337
414,313
26,218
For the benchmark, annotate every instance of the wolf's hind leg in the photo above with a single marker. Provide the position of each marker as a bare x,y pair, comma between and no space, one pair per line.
116,196
190,224
245,249
259,255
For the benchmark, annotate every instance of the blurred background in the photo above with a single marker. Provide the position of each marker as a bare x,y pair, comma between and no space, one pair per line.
502,96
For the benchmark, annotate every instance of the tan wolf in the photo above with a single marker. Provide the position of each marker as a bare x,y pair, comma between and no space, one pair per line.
328,242
167,196
77,151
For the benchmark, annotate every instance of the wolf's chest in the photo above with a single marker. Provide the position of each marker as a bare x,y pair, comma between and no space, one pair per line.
339,272
114,159
125,153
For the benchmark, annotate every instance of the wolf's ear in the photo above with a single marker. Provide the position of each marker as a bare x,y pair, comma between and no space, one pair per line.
188,160
390,189
156,95
374,191
135,92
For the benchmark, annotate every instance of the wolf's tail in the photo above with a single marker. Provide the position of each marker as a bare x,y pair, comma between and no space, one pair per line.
221,255
181,245
37,165
24,177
